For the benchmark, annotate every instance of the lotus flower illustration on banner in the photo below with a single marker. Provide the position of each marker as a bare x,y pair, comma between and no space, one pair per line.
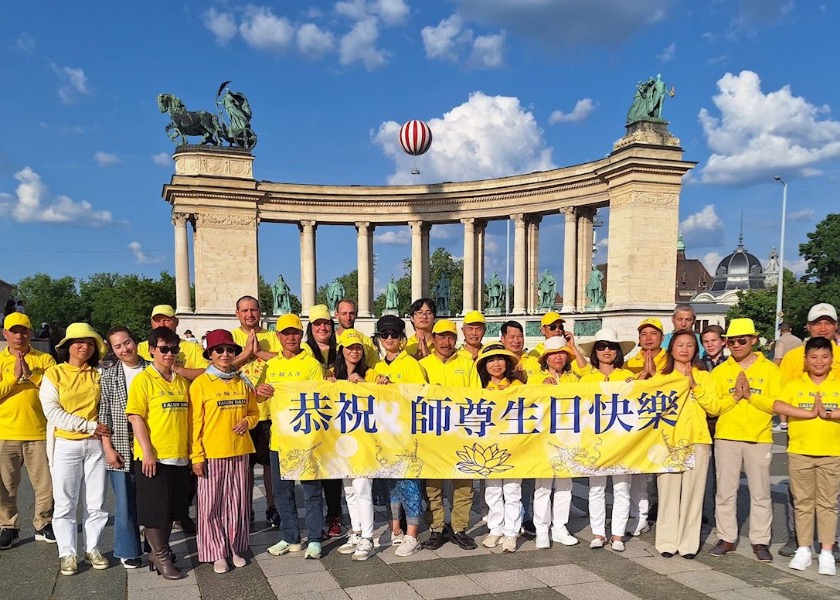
483,461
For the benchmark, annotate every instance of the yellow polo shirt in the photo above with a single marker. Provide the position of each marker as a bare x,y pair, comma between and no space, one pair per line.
793,363
813,437
165,407
463,350
190,355
703,400
254,369
78,394
593,375
637,363
216,406
403,369
504,384
531,366
301,367
538,378
21,415
411,346
747,421
457,371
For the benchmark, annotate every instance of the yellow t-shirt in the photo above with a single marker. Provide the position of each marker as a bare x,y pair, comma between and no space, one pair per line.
539,377
793,363
411,346
457,371
593,375
254,370
463,350
703,400
813,437
216,406
531,366
165,407
371,354
301,367
21,415
538,350
504,384
746,421
403,369
190,355
637,363
78,394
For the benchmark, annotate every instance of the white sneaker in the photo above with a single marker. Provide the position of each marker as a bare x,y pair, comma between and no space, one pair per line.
491,541
509,544
802,559
575,512
543,541
641,527
562,536
364,549
349,547
397,538
826,563
597,542
617,545
409,546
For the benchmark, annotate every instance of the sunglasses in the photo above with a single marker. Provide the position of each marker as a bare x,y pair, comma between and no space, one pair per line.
601,346
224,350
389,334
168,349
739,341
555,327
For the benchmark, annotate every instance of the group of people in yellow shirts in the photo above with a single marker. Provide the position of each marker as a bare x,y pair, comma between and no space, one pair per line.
170,419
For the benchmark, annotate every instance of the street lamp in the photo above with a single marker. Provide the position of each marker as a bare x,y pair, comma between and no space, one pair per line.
778,320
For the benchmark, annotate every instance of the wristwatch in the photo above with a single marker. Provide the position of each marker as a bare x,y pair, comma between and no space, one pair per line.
828,413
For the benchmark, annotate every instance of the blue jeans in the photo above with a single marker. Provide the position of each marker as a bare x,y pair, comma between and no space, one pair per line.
284,499
126,534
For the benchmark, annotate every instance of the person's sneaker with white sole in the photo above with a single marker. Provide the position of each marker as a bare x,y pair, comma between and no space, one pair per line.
802,559
313,551
597,542
349,547
509,543
492,540
561,535
282,547
364,549
826,563
410,545
617,545
543,541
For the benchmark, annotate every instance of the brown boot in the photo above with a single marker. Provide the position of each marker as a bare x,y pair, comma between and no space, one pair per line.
159,557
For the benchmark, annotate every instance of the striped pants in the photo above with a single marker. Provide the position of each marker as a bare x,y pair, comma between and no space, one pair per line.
223,508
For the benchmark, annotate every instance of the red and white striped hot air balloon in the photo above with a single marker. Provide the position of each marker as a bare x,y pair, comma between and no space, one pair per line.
415,137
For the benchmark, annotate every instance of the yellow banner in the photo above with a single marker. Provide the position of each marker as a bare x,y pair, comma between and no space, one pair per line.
337,430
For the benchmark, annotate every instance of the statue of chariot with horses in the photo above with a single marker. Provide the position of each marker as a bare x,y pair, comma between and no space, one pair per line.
233,126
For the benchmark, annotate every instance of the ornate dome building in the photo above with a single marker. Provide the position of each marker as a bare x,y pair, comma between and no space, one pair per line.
737,271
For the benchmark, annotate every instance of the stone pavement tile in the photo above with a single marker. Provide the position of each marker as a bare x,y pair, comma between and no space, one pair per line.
399,590
450,550
325,595
294,585
143,579
506,581
387,555
369,572
562,575
544,593
709,581
244,582
275,566
747,594
597,589
176,593
453,586
669,566
425,569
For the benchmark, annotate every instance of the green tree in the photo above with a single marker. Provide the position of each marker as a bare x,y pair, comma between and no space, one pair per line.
49,300
350,281
112,299
822,251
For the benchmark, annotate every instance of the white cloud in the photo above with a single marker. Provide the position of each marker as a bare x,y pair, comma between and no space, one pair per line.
703,228
711,260
806,214
399,237
390,12
104,159
72,83
668,54
222,24
797,266
485,137
314,42
162,159
359,45
583,108
264,30
488,51
24,43
450,40
29,205
140,257
759,135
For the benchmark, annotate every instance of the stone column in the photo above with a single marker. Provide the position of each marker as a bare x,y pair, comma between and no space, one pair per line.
469,265
520,266
308,265
569,260
480,230
416,260
182,264
364,266
425,233
533,262
584,254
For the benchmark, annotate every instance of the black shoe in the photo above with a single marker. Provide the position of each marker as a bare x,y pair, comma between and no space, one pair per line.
253,517
464,541
435,541
131,563
45,534
789,549
272,517
187,525
666,554
688,556
528,527
8,537
447,532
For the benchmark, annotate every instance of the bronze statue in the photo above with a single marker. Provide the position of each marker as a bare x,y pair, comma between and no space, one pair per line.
648,100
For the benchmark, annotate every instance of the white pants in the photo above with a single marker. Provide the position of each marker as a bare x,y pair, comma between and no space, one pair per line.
639,502
359,495
598,505
504,506
76,462
544,515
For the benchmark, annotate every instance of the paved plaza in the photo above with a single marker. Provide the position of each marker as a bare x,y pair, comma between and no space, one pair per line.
30,569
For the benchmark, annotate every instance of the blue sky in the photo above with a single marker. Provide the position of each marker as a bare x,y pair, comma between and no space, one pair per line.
508,86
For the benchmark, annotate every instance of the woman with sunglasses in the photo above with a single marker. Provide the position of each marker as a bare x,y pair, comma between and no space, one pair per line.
406,495
223,408
681,494
158,411
606,359
423,313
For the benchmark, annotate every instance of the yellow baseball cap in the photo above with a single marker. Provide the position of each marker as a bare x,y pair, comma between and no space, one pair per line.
651,322
319,312
738,327
551,317
163,309
16,318
349,337
445,326
474,316
289,321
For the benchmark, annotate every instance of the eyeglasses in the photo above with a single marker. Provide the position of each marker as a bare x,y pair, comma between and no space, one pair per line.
168,349
224,350
424,313
601,346
739,341
555,327
389,334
